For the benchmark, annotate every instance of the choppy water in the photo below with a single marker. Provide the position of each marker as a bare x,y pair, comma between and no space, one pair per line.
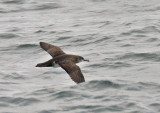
121,39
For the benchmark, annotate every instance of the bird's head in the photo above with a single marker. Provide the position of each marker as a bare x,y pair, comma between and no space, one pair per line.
82,59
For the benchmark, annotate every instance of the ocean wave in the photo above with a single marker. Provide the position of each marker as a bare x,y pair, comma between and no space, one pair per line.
18,101
3,105
34,6
49,111
102,39
140,56
149,85
152,40
155,106
156,8
15,76
8,35
46,6
27,46
40,31
64,38
102,84
138,86
7,82
63,94
74,107
43,91
110,64
12,1
142,31
127,45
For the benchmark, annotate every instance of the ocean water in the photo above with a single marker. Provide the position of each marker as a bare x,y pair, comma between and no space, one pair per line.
121,38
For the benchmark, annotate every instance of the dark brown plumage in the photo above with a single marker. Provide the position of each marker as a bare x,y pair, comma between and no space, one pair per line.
66,61
51,49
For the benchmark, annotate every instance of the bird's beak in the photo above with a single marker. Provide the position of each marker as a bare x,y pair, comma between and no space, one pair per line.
86,60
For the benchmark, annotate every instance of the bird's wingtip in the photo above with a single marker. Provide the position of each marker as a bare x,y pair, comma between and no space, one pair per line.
41,43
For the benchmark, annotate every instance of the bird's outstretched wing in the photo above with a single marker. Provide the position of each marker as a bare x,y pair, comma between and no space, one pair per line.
51,49
48,63
73,70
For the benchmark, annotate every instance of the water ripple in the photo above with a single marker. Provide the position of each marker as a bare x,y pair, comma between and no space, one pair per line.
12,1
140,56
138,86
102,84
18,100
8,35
34,6
148,29
49,111
43,91
47,6
64,94
111,64
27,46
14,76
84,107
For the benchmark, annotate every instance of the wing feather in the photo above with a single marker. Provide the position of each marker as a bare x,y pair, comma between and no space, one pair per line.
48,63
73,70
51,49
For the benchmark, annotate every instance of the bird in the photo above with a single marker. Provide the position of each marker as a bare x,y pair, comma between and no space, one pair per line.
65,61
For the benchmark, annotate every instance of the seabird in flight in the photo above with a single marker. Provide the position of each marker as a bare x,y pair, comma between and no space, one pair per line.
65,61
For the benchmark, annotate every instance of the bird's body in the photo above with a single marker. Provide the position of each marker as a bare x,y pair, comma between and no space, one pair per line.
66,61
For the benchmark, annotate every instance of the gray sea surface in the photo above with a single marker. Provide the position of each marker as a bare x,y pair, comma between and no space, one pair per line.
121,38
